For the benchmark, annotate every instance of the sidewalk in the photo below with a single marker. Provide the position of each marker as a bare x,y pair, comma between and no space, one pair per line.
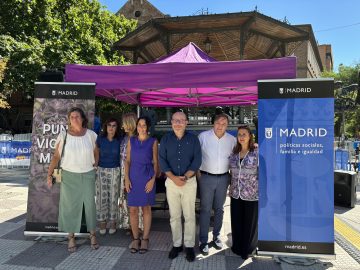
16,252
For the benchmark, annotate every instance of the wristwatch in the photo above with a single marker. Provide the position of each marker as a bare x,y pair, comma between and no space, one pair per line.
186,178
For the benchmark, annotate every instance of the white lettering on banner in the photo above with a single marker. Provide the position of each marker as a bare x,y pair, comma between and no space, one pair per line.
44,158
46,143
67,93
303,132
20,150
55,129
295,90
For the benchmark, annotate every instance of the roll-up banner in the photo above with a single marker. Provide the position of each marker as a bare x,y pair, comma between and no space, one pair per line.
296,174
51,106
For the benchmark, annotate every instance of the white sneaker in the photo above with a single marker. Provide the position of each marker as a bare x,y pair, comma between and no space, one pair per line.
217,244
102,231
204,249
112,231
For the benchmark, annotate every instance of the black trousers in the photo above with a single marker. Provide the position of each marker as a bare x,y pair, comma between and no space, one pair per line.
244,226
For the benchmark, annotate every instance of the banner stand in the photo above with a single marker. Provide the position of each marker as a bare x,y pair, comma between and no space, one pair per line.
52,102
296,169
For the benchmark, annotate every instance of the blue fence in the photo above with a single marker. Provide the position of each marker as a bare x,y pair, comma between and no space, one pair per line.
15,153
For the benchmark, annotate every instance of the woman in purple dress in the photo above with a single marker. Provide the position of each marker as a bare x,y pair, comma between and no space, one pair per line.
140,172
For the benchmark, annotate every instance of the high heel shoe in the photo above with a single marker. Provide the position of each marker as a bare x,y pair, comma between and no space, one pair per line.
144,246
134,247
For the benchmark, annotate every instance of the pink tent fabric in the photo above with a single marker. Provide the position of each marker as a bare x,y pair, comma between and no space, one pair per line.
185,78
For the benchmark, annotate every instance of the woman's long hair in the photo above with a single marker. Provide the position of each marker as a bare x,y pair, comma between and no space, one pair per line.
237,147
117,131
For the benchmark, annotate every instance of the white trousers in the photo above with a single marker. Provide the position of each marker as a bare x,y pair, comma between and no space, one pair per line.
181,200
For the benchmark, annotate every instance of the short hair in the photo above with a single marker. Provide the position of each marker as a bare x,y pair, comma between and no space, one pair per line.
117,131
221,115
85,120
180,111
129,120
147,122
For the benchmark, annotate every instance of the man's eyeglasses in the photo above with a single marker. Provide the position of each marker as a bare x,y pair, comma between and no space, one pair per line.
110,125
178,121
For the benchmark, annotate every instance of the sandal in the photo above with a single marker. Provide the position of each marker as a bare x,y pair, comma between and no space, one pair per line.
144,246
94,245
134,247
71,243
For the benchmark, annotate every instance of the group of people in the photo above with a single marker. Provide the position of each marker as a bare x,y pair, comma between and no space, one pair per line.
120,172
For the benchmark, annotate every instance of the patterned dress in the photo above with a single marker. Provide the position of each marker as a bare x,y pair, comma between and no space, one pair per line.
124,219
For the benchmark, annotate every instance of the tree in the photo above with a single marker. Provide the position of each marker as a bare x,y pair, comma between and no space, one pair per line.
3,102
52,33
347,76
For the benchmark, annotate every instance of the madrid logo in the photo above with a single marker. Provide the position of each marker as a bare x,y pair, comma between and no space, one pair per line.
268,133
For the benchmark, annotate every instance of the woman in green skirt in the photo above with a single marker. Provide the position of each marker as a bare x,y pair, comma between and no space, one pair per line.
77,191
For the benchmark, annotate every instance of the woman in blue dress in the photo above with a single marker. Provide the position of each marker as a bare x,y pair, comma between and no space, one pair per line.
140,172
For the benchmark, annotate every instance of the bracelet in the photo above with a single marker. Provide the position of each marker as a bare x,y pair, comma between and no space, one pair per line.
186,178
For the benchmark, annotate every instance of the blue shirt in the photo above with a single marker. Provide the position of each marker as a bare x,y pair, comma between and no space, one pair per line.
109,152
180,155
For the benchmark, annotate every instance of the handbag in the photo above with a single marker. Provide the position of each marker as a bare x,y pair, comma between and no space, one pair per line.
57,171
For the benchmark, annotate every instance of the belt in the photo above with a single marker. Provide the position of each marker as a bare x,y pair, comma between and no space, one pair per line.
213,174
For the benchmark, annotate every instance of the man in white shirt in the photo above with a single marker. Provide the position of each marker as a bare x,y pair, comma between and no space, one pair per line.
216,147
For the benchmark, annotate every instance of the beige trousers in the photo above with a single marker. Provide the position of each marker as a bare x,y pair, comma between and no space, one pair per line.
181,200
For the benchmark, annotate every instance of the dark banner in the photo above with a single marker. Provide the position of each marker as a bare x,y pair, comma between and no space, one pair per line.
296,170
51,105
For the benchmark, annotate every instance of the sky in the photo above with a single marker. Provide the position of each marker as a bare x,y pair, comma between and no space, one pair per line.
334,22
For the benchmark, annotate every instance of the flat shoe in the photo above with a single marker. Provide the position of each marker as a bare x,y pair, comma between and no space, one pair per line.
103,231
112,231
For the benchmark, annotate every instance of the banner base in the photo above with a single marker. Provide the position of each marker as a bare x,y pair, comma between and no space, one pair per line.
297,255
60,234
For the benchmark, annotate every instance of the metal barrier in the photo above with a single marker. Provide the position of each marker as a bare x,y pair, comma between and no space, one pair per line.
15,150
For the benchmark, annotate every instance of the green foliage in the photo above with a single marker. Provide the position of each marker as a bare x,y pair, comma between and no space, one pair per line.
348,75
107,105
51,33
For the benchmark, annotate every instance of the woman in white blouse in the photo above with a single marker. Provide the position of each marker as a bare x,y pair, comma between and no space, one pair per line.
77,189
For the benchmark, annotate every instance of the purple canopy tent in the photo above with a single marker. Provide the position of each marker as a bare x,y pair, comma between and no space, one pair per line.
185,78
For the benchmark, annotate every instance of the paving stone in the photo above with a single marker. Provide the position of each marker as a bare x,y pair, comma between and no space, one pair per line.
21,267
19,219
41,255
10,215
120,239
209,263
10,204
11,248
8,194
7,227
85,258
152,260
258,263
160,241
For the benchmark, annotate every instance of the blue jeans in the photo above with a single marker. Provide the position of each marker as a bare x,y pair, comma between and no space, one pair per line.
213,191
